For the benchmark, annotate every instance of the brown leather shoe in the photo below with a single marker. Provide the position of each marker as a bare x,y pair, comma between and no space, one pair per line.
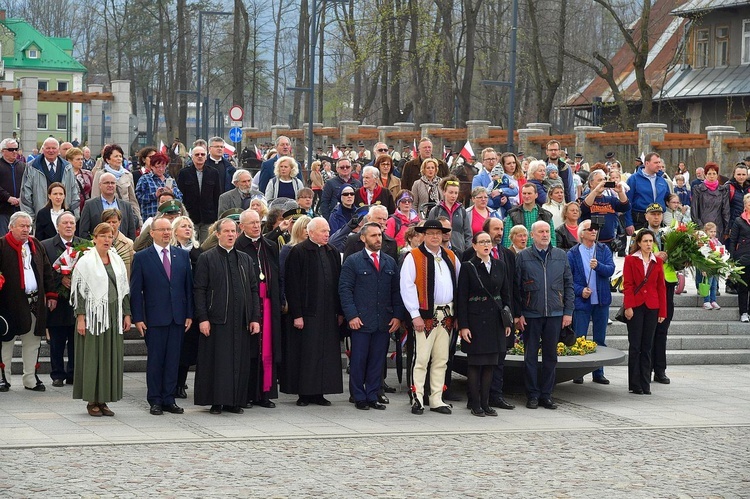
93,410
106,410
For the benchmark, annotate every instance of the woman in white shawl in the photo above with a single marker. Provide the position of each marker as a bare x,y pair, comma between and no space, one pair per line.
101,301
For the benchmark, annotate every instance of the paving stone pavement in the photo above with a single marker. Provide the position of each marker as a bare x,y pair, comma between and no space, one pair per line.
689,439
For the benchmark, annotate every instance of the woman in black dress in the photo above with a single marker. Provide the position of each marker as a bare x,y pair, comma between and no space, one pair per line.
482,293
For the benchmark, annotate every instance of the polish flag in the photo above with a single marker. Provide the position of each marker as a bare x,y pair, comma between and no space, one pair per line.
258,153
229,149
467,152
335,153
445,152
414,153
162,147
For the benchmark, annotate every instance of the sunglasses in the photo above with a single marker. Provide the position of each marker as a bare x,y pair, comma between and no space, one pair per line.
382,150
199,154
344,167
347,194
590,229
12,149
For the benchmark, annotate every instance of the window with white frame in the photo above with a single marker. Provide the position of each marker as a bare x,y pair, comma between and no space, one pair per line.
722,46
701,48
32,54
62,86
41,121
62,121
746,41
42,85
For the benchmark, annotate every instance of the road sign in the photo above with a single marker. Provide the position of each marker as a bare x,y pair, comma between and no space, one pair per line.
236,113
235,134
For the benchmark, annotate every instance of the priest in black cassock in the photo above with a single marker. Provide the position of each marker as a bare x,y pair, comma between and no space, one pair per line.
265,256
313,356
228,314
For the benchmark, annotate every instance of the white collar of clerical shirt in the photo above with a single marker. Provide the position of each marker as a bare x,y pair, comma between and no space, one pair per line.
225,249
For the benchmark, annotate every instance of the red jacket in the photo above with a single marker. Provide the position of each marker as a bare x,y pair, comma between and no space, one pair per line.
653,293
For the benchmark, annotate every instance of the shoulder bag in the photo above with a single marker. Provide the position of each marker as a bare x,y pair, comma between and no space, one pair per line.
505,310
620,315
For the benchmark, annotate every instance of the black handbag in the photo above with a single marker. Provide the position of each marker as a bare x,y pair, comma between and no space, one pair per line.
620,315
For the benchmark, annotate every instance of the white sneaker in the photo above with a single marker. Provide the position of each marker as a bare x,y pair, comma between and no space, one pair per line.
745,318
715,305
707,306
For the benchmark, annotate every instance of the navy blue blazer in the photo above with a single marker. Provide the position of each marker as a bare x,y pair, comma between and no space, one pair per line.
604,270
374,297
156,300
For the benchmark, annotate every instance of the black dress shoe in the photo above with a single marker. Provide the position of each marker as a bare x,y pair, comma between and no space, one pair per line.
662,378
383,399
265,403
173,408
636,391
489,411
234,409
4,386
215,409
376,405
387,388
362,405
321,400
38,388
351,399
578,381
302,402
477,412
502,404
601,380
181,393
58,383
532,403
69,381
443,409
417,408
248,405
647,392
156,410
547,404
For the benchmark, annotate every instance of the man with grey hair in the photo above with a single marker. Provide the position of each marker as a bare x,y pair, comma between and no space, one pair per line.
283,148
11,173
217,160
88,161
92,210
241,195
47,168
27,293
312,360
543,306
61,321
379,149
377,214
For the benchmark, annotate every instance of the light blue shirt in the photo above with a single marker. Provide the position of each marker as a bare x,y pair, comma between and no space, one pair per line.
588,254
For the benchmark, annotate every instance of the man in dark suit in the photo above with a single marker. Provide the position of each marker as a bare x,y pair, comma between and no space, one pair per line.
201,187
266,347
378,214
371,299
61,321
91,216
161,300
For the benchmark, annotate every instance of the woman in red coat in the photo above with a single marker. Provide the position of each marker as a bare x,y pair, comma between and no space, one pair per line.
643,309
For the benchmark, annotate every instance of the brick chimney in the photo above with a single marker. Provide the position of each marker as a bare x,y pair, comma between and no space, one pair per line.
2,14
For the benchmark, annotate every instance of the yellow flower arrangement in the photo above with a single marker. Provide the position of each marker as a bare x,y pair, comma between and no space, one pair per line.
582,346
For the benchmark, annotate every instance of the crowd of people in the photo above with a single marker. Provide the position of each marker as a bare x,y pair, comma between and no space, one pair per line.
256,279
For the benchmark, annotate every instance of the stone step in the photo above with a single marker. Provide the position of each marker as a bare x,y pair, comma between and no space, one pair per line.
708,357
688,342
689,299
697,314
692,328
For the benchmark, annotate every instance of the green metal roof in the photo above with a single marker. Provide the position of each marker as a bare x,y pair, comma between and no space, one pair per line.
52,54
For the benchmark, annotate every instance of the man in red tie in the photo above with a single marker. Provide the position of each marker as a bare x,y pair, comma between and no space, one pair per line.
371,300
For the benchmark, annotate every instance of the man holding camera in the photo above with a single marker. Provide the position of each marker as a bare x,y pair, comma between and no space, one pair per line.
603,209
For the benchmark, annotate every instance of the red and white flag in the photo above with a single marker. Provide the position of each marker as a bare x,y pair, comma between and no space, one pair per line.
467,152
414,149
229,148
162,147
335,153
446,151
258,153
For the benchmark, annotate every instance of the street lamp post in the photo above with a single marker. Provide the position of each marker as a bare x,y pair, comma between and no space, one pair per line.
512,82
199,68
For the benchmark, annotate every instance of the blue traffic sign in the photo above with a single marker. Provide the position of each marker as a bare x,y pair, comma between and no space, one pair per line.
235,134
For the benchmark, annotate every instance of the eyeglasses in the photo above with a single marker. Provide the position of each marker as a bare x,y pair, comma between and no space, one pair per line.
382,150
344,167
485,243
347,194
161,230
199,154
590,229
11,149
406,200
